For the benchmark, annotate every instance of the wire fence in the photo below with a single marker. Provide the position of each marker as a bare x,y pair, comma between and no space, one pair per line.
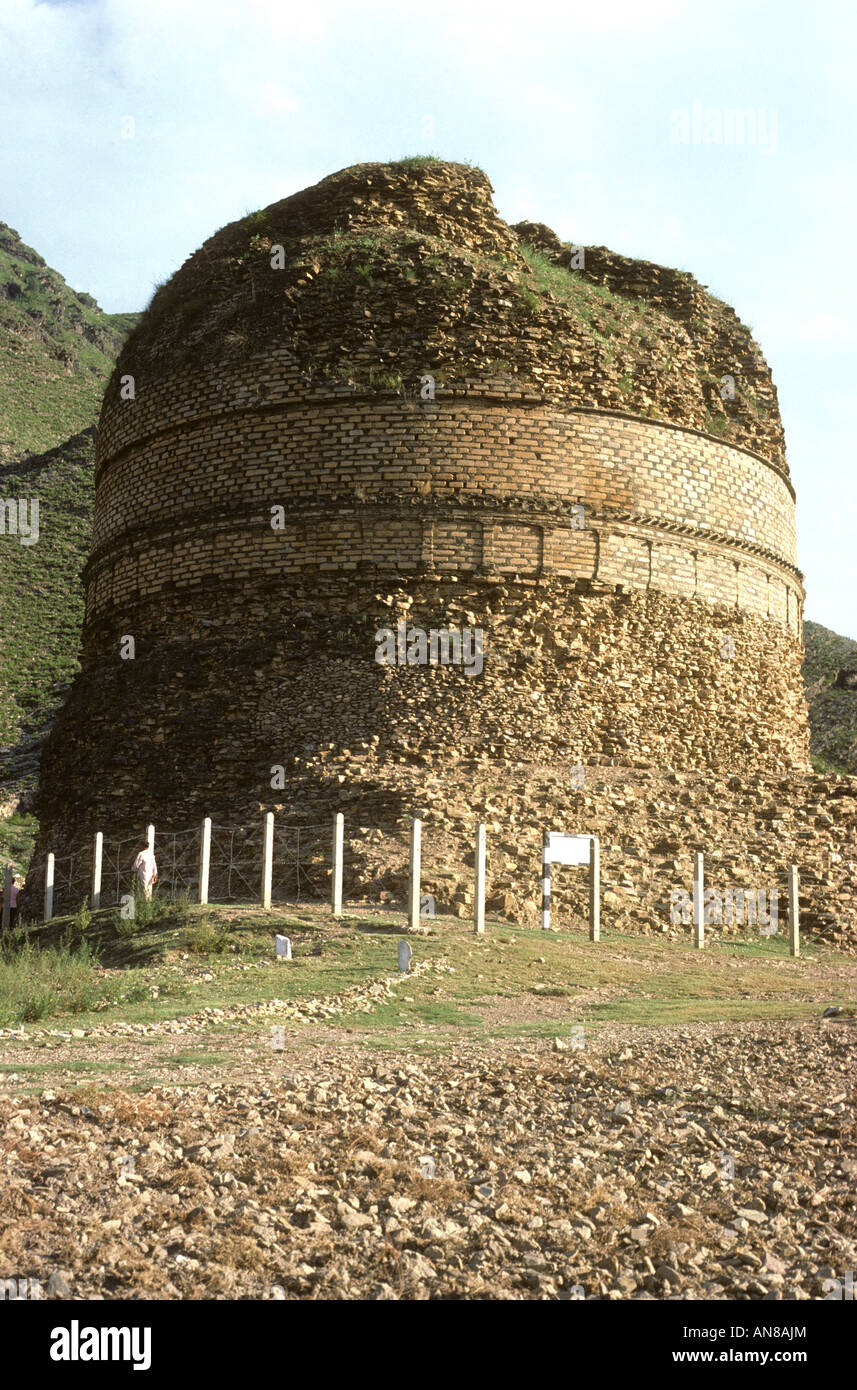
290,864
72,877
117,874
300,867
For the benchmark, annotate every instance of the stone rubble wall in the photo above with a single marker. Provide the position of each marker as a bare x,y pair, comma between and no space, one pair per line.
718,334
217,697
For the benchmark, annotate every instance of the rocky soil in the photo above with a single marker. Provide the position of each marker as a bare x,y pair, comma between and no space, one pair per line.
708,1161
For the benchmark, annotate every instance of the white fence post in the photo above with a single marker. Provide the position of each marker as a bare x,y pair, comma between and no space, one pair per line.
794,913
268,860
336,878
594,889
97,856
479,884
546,882
698,905
204,860
150,836
8,880
414,880
49,888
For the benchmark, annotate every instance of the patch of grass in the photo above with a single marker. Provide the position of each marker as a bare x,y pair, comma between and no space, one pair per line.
36,984
530,300
387,381
207,938
423,1014
74,1064
339,371
605,314
191,309
695,1008
198,1057
827,766
125,926
143,912
513,981
416,161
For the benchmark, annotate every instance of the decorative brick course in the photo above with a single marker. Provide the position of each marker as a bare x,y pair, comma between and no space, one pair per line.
350,457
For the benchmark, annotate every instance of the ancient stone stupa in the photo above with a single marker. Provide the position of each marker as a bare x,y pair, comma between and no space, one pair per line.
374,403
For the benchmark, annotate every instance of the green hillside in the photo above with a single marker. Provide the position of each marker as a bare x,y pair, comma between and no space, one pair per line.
832,708
42,598
57,350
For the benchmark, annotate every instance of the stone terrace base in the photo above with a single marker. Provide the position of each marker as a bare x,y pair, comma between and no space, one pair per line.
649,821
195,723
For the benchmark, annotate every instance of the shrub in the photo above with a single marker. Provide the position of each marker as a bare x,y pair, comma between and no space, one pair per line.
124,926
35,983
79,924
37,1003
207,939
137,991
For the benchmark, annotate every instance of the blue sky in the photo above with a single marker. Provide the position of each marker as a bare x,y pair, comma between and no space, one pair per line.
575,111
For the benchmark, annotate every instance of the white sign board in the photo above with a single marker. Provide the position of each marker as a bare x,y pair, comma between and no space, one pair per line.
568,849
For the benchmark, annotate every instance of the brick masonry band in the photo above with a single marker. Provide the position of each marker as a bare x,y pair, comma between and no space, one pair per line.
666,508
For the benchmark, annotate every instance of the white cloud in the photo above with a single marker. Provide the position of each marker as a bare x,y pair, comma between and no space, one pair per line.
809,328
273,98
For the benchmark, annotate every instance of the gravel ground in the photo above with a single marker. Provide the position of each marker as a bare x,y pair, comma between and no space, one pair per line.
703,1161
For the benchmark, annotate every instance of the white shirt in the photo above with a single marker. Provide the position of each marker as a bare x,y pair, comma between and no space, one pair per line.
145,861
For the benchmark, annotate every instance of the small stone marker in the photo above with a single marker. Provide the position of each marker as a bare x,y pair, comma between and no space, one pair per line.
284,948
58,1286
405,954
426,1166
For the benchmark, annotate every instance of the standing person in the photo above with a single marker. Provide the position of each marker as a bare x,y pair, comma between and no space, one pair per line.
17,885
146,869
